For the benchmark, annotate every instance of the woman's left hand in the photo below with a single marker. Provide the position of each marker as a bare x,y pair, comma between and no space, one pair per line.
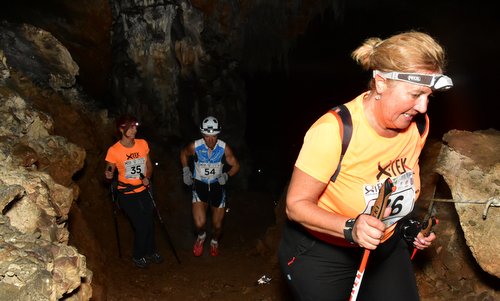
422,242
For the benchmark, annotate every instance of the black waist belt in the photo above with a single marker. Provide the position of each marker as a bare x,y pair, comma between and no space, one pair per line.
127,187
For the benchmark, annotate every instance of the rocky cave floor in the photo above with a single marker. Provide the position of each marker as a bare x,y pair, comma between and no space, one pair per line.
232,275
247,252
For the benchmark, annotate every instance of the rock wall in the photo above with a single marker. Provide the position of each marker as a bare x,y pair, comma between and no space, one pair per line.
175,62
37,166
470,165
166,73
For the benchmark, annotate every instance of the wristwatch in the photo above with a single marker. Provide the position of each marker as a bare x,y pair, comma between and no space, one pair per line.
348,230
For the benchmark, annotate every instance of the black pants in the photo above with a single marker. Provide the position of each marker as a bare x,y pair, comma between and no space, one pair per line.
139,209
316,271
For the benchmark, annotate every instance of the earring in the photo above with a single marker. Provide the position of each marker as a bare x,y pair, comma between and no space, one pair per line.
377,97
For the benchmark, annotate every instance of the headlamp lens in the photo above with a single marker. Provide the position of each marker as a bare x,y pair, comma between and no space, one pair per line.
443,82
124,125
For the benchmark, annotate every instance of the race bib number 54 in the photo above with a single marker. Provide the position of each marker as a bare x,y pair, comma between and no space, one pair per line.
401,201
208,170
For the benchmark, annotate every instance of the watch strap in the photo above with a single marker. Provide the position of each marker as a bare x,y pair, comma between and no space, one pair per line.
349,224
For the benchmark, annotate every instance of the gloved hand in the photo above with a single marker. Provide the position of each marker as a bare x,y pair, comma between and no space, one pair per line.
187,176
223,178
409,229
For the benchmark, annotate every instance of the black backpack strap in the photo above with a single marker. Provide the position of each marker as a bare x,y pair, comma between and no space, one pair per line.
345,124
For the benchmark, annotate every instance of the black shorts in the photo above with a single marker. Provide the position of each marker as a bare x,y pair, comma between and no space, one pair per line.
213,194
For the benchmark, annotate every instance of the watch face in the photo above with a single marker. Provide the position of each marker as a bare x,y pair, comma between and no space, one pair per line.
350,223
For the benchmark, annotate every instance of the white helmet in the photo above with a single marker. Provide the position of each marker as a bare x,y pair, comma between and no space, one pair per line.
210,126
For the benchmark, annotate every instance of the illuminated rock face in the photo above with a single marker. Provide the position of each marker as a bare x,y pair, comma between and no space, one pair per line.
37,190
470,165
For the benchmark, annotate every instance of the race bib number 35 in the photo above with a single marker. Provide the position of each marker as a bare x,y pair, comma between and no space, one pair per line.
134,168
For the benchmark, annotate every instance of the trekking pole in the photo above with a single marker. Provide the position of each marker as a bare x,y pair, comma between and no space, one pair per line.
377,211
163,227
429,222
115,213
426,230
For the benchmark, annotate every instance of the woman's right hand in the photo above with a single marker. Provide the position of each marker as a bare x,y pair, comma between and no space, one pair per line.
108,173
368,230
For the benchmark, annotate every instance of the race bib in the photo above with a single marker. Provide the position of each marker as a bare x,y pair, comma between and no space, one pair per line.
134,168
208,170
401,201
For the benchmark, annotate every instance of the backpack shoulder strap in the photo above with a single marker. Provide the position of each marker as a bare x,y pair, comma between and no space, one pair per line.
345,124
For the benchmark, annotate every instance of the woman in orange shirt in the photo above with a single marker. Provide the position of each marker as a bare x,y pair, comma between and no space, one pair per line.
130,156
329,223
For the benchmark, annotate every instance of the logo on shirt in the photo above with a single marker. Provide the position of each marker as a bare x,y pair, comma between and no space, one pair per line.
394,168
132,156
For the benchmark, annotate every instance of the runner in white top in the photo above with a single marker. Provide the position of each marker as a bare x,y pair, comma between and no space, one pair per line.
210,156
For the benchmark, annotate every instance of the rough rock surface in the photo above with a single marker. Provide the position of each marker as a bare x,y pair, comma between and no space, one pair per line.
37,190
470,165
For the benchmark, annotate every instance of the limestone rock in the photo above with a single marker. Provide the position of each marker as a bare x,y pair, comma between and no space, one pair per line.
40,65
470,164
4,71
34,269
37,167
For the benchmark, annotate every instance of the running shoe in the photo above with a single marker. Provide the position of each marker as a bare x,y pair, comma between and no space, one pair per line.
198,247
214,249
154,258
140,262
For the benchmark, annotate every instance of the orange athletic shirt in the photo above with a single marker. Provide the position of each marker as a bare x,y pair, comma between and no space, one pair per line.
369,159
130,161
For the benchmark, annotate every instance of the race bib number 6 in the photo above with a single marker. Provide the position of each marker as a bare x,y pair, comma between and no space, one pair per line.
401,200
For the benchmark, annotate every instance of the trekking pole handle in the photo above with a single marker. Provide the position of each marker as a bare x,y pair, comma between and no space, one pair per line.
428,224
141,175
382,201
108,175
425,230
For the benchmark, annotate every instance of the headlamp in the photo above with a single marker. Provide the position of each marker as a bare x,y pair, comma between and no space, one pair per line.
131,124
210,132
434,81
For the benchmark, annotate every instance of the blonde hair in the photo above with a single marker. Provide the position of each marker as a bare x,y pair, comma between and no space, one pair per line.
410,51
